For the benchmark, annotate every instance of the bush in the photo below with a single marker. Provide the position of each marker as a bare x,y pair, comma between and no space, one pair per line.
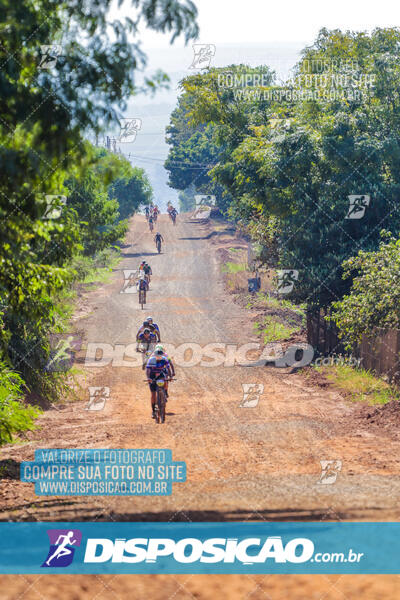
15,417
374,298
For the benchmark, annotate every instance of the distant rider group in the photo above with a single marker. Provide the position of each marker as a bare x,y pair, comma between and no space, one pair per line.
159,367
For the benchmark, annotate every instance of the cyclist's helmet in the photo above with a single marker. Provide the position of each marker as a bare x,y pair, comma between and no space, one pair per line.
146,323
159,354
159,347
149,319
146,330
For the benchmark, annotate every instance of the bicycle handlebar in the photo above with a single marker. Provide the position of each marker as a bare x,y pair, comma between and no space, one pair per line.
172,379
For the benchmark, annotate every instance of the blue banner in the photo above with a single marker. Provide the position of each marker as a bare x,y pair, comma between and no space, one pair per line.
103,472
193,548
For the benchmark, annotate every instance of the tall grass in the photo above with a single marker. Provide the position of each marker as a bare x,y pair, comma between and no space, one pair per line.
15,416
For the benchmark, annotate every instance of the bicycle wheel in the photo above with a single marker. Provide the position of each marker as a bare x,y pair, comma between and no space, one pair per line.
158,406
161,405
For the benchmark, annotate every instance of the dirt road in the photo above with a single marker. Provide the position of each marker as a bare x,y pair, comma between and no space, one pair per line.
243,463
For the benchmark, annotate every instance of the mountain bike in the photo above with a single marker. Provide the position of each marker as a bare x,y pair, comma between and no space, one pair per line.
161,398
142,298
151,225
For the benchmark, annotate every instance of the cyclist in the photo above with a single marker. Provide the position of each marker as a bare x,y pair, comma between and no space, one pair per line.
150,326
147,270
158,238
162,348
157,365
154,327
151,222
141,266
146,342
147,212
142,285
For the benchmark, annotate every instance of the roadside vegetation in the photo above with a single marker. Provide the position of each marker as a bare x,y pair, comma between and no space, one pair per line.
360,385
273,330
15,415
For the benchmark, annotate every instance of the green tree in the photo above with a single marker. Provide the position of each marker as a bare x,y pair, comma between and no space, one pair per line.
131,191
47,111
292,155
374,297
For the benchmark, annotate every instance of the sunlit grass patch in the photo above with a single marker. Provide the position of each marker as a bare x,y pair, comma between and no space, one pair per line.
360,385
231,267
273,330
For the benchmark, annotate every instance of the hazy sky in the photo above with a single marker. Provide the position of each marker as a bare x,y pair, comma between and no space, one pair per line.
238,21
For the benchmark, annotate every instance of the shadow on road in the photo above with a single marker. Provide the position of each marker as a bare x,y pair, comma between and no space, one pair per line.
138,254
208,236
59,509
9,469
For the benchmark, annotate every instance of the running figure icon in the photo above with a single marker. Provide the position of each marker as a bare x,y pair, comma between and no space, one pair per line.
62,547
62,550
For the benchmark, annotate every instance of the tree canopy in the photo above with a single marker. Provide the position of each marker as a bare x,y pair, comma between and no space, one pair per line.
291,158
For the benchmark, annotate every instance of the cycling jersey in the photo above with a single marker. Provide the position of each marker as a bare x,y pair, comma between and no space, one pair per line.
143,285
154,326
156,367
150,339
154,330
147,269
